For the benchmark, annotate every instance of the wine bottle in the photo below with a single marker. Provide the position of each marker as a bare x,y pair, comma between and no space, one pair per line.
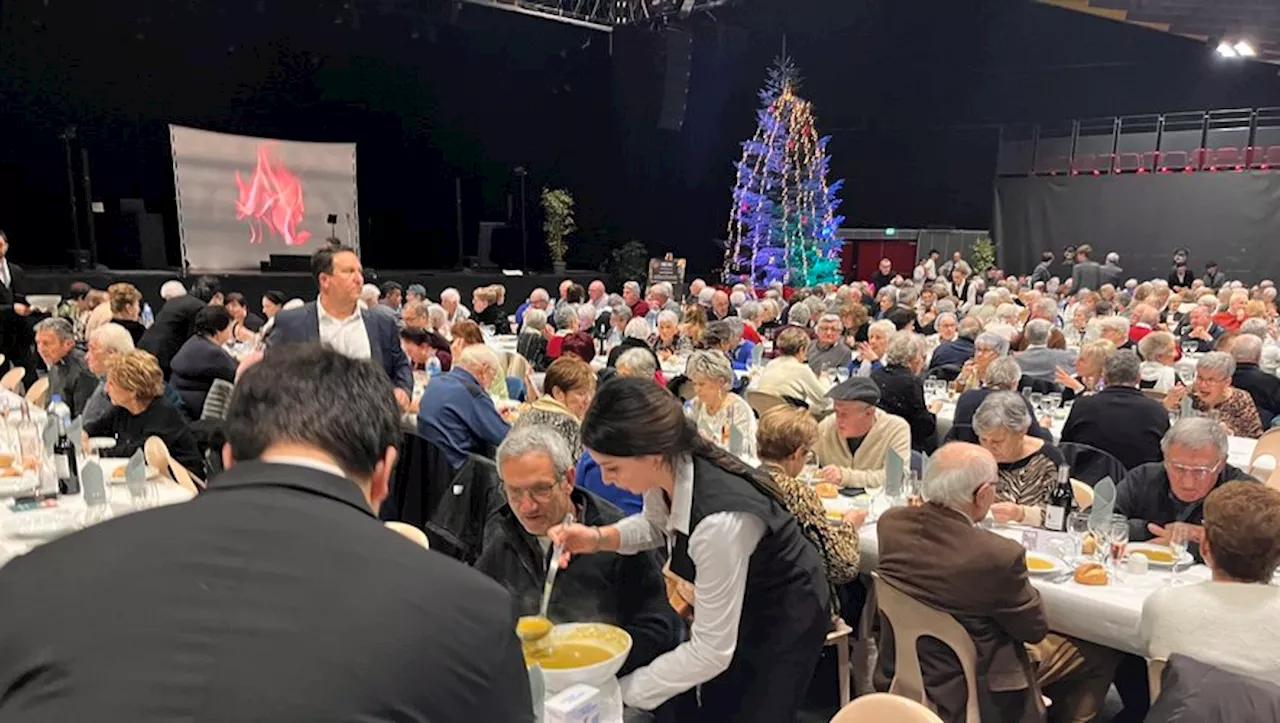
64,453
1061,502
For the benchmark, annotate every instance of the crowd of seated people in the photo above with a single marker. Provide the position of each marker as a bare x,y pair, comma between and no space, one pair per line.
786,392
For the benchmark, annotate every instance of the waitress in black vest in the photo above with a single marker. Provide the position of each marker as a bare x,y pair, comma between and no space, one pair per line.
756,585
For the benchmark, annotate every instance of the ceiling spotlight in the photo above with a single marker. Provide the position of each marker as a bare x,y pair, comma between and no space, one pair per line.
1245,50
1226,50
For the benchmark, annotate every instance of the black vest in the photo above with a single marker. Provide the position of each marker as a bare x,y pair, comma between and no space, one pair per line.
785,613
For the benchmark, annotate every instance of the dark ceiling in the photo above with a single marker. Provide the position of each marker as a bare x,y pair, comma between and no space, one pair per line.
1207,21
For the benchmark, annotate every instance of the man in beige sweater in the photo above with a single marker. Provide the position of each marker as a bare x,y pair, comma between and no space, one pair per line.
852,443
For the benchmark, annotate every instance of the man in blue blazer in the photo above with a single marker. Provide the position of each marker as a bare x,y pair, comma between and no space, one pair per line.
336,320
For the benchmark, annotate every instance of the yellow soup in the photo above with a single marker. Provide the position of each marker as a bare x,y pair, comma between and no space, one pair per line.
532,626
563,656
1162,556
1039,564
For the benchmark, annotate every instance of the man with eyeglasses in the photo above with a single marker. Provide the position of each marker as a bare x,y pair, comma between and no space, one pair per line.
1160,496
537,472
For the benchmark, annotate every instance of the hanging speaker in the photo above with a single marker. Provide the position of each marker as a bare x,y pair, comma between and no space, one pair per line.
675,91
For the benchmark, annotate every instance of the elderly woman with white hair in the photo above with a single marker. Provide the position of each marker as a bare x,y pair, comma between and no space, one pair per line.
1005,322
987,347
634,336
1159,349
902,391
451,302
1028,465
1215,397
870,353
667,339
721,416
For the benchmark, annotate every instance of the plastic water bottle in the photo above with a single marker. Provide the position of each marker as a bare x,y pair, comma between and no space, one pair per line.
433,365
59,410
148,318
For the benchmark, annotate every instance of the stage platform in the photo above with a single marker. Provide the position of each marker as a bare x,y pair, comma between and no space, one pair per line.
297,284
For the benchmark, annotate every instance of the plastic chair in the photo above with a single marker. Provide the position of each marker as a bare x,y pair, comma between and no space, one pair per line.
1155,669
885,708
216,401
761,402
410,532
1090,464
38,394
840,639
911,620
1268,446
156,452
13,378
1083,494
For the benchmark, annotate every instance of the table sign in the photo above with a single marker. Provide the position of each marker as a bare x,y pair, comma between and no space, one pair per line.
893,474
757,355
1104,501
50,435
135,475
74,432
93,484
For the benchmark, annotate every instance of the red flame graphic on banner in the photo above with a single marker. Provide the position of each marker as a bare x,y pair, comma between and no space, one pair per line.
272,199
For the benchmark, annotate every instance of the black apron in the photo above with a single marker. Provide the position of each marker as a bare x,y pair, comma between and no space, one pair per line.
785,613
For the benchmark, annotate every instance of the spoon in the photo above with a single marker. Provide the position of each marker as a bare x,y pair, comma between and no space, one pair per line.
537,627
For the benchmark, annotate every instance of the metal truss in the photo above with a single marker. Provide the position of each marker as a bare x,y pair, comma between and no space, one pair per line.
603,15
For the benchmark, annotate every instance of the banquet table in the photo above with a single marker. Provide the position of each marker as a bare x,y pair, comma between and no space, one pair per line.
119,501
1108,615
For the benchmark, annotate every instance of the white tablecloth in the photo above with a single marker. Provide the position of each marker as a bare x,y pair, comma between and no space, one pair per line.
1107,615
167,493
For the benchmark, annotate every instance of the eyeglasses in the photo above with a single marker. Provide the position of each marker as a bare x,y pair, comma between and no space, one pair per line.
1199,472
539,493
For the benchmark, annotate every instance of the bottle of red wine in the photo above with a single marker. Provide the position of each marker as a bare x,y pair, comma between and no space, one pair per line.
1061,502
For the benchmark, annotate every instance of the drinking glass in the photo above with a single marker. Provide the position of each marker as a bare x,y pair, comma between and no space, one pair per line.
1037,401
1054,400
1187,373
1026,393
1118,539
1077,528
842,374
1177,544
1189,347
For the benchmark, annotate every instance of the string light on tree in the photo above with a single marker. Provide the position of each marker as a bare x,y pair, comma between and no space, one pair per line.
782,224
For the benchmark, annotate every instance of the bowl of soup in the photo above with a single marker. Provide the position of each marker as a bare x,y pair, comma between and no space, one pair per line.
573,653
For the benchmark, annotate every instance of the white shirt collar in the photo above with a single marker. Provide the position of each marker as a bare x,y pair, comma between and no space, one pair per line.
308,462
682,498
326,315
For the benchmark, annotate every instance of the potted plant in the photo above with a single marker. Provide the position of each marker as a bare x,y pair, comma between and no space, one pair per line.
984,256
557,209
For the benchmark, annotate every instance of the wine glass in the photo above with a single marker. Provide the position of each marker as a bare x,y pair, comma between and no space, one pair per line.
842,374
1077,528
1178,545
1037,401
1189,347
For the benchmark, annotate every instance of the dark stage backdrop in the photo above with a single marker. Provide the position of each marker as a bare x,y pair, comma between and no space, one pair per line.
1231,218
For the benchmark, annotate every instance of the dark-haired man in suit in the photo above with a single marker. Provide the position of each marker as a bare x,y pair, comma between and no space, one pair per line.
17,334
335,319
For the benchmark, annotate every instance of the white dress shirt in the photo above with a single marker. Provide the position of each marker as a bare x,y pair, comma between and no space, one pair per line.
345,336
721,549
5,278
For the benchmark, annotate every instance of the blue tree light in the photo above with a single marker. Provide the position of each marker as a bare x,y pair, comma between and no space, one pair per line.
782,226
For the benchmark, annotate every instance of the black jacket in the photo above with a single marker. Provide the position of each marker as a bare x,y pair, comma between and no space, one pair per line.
1263,387
967,405
952,353
623,590
276,595
1144,497
161,419
17,333
630,343
1120,421
171,329
902,393
194,368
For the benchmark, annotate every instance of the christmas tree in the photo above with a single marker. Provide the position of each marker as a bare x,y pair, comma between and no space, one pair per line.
782,226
